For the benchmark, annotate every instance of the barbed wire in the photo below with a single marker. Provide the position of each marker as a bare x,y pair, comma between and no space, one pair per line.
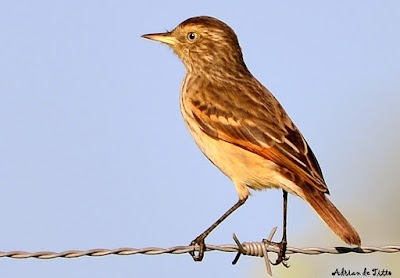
257,249
230,248
186,249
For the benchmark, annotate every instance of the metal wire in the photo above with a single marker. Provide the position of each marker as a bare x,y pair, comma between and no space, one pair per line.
253,249
259,249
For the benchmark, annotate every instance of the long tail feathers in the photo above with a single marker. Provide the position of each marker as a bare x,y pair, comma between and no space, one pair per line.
332,217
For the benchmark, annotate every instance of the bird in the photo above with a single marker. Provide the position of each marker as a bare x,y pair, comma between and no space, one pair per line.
242,128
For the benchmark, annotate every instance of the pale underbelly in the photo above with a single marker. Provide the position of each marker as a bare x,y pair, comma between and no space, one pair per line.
244,168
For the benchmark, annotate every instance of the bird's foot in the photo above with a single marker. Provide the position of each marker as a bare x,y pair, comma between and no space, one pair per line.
198,255
282,258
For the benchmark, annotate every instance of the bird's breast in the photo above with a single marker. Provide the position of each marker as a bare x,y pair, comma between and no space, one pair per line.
244,168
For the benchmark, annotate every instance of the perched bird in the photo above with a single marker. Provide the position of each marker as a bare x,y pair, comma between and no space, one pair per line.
242,129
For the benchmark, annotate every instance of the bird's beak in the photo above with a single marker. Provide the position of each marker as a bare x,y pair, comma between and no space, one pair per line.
166,38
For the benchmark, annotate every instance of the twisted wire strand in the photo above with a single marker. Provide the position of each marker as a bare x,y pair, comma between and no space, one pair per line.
259,249
251,249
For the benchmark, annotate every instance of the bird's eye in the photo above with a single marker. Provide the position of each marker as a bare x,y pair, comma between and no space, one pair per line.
192,36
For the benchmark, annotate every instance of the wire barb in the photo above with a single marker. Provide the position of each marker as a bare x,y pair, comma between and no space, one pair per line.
259,249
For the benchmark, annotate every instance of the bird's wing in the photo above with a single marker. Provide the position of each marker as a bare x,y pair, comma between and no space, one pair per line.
263,128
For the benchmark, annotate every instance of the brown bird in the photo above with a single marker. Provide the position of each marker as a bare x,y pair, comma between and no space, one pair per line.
242,129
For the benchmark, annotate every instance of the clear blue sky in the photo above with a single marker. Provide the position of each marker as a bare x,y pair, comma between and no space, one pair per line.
94,153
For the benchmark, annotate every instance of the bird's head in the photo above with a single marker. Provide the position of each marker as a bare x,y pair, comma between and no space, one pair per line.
205,45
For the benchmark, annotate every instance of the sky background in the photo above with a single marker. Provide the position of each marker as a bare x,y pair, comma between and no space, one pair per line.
94,153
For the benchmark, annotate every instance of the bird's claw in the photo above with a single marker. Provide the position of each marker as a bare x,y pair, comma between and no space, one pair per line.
198,255
282,258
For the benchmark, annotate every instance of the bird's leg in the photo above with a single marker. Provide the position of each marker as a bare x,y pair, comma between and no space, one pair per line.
200,239
283,244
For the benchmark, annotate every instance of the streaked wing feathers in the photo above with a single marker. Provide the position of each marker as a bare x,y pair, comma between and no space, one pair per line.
275,137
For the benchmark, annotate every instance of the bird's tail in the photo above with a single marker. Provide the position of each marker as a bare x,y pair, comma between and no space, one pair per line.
332,217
